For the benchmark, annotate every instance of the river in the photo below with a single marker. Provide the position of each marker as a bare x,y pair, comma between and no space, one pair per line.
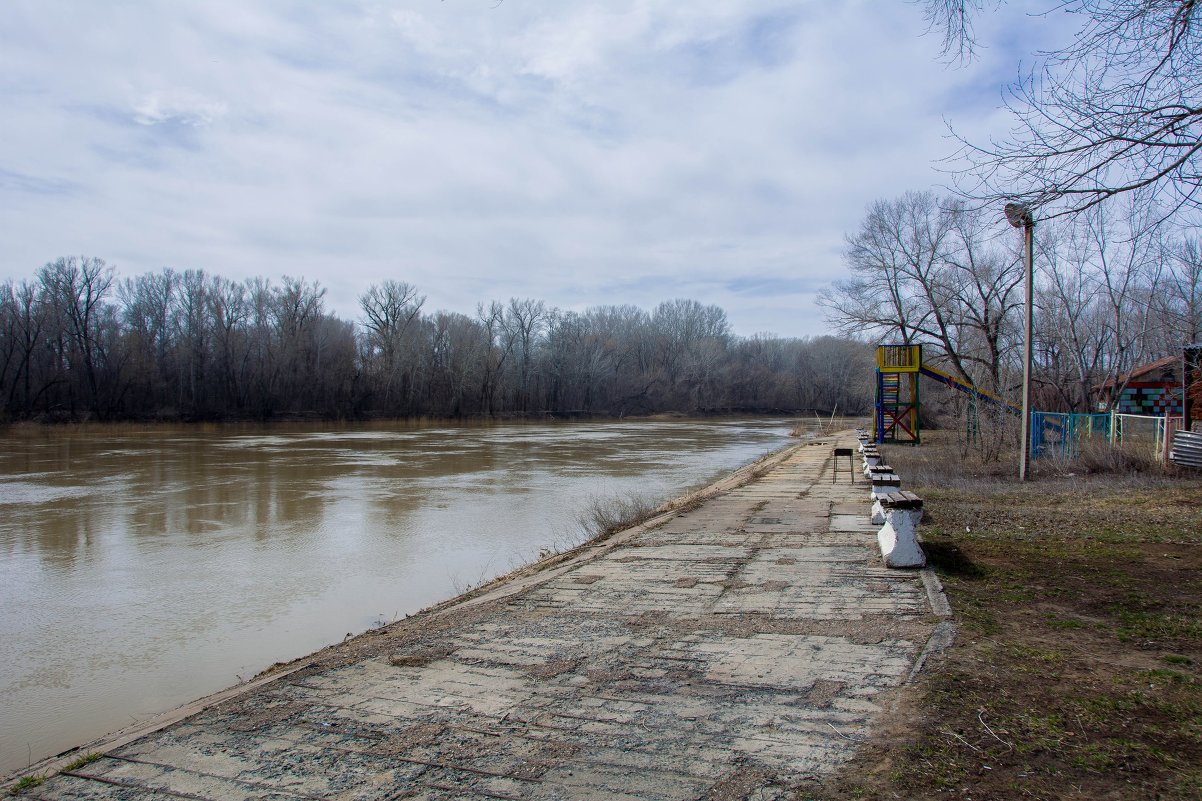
143,567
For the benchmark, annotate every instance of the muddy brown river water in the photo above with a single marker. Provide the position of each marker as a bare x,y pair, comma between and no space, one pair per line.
141,568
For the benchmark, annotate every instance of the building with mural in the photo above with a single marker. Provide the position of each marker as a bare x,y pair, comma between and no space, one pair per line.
1152,389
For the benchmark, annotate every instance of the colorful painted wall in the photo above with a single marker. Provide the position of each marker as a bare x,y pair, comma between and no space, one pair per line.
1153,398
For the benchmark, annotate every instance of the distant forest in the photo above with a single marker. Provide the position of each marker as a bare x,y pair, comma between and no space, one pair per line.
77,343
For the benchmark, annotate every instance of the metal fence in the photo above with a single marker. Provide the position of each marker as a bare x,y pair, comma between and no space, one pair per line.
1056,433
1061,433
1140,434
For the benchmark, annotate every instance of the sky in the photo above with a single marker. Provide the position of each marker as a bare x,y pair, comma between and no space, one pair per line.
580,153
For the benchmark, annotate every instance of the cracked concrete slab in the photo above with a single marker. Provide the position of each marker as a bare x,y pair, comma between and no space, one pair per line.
746,644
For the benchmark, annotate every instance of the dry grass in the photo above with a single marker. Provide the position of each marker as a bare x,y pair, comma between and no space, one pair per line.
607,516
1097,455
816,426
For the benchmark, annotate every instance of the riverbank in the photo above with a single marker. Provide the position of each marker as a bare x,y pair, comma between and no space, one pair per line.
199,555
1077,670
744,641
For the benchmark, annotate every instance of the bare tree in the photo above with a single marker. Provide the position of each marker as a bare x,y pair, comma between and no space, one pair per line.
891,258
389,310
524,322
24,322
929,271
953,19
457,348
298,310
77,288
691,338
1116,110
229,311
190,345
1128,272
1179,304
149,311
1072,339
195,329
982,283
500,346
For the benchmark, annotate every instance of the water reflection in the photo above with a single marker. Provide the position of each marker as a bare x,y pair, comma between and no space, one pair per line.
143,567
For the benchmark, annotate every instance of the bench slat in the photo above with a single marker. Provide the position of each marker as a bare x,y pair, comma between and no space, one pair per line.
901,500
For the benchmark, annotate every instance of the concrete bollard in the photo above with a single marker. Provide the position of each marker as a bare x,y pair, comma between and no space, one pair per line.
879,507
888,483
898,539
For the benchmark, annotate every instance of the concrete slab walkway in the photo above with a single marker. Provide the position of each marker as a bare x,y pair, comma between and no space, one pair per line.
734,648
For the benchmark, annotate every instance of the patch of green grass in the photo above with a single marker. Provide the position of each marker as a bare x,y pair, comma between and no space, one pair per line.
1189,783
1031,653
26,783
973,617
1040,732
34,780
86,759
1056,622
1177,659
1140,625
1145,749
1094,758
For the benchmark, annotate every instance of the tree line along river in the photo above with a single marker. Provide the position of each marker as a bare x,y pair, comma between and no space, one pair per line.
143,567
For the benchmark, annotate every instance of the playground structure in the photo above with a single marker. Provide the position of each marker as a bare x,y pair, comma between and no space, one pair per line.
898,396
898,402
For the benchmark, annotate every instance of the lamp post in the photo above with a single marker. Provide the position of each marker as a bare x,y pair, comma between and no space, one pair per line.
1020,216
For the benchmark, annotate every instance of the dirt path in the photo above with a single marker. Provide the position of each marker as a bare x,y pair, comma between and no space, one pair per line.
737,648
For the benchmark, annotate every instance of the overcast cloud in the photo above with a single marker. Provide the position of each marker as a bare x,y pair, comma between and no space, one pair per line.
582,153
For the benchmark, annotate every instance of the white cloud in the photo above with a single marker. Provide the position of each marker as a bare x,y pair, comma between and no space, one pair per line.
610,152
182,107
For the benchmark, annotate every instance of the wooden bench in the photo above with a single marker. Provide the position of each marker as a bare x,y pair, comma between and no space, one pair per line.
877,469
901,500
883,484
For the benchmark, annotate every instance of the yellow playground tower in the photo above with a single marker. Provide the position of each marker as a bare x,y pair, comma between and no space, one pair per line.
895,417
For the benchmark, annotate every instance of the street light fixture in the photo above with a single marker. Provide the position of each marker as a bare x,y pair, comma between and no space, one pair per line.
1020,216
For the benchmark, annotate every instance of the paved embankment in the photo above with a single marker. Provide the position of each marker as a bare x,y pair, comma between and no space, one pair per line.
737,647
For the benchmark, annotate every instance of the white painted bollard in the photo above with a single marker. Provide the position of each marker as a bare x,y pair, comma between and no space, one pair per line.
898,539
881,505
